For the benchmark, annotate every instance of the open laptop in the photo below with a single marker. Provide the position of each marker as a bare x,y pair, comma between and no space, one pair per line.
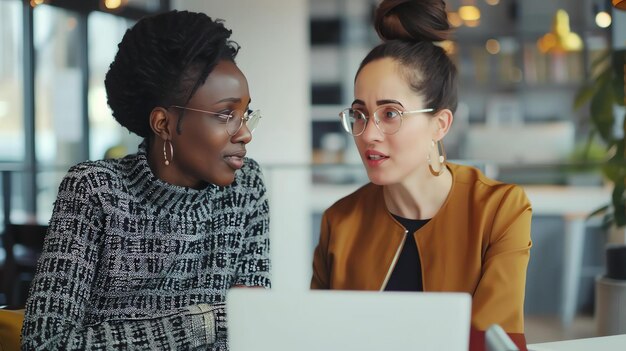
260,319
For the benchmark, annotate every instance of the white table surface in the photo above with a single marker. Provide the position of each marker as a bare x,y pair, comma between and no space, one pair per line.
570,201
604,343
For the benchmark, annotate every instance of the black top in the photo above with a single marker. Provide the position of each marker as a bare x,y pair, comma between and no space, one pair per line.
407,274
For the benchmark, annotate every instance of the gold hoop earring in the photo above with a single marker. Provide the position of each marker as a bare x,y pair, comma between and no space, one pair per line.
167,162
442,158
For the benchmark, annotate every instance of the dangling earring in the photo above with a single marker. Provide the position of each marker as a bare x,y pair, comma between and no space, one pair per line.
441,158
167,162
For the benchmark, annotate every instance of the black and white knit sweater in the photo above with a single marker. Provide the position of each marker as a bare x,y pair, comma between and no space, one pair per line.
132,262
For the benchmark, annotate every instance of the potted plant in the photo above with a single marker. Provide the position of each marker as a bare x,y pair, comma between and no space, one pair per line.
606,98
583,164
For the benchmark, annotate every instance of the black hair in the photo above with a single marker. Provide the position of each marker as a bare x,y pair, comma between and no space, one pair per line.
161,61
408,29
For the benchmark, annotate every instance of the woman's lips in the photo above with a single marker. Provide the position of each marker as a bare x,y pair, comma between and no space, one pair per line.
374,158
235,162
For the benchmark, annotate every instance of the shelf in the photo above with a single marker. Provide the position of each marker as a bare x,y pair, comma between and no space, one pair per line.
518,79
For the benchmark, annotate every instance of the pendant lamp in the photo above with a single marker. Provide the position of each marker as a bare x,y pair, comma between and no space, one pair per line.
560,38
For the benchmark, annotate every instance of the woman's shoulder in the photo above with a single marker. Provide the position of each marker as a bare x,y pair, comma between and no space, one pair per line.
93,166
364,196
471,182
95,174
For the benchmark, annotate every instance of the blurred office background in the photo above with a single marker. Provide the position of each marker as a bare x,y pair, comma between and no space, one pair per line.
515,120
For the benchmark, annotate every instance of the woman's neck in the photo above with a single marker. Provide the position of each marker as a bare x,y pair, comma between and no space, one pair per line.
170,173
419,196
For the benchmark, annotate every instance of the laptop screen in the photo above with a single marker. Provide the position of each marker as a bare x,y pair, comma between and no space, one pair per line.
260,319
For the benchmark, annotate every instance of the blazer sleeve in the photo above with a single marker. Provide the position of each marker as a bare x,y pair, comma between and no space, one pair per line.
499,296
321,270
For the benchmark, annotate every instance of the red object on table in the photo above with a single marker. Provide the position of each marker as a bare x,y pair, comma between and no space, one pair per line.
477,340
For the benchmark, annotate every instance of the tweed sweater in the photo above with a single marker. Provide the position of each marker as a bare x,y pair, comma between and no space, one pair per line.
132,262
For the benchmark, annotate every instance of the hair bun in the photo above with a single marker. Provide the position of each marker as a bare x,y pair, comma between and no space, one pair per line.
413,20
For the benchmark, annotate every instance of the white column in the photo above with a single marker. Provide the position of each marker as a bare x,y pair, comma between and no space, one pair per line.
572,266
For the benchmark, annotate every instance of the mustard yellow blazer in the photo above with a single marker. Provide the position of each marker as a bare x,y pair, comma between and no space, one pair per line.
478,242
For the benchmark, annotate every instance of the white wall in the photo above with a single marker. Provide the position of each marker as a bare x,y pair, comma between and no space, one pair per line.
274,56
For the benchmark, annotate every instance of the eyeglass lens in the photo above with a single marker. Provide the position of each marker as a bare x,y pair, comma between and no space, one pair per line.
236,120
388,120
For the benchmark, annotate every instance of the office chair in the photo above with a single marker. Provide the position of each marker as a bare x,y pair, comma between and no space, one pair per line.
20,264
10,329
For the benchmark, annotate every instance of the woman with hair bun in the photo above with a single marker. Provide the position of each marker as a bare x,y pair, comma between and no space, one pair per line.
422,223
142,250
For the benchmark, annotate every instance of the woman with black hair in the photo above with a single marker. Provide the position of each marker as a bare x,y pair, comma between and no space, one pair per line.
422,224
141,250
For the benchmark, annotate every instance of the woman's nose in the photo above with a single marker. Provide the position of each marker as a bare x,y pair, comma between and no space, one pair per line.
243,135
371,132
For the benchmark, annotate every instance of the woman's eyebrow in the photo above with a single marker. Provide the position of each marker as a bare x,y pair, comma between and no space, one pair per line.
379,102
230,99
358,102
233,100
388,101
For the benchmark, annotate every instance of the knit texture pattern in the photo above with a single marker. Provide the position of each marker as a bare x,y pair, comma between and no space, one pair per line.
133,262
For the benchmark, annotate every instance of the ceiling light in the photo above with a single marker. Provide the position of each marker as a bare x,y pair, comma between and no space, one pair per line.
560,38
112,4
454,19
469,13
492,46
472,24
603,19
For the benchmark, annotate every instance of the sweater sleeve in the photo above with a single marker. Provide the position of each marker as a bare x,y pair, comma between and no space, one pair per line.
499,296
61,289
253,267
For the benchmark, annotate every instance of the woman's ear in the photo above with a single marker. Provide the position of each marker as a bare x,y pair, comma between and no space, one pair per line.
443,121
161,123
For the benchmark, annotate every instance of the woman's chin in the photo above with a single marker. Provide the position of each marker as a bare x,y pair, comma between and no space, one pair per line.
377,178
223,181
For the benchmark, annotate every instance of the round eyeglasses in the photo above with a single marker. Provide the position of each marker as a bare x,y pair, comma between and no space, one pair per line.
233,120
386,118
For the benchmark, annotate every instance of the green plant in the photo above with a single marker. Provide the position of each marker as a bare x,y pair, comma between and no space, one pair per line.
604,92
586,157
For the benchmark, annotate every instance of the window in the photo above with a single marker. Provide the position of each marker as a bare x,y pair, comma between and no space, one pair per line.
61,80
11,89
105,32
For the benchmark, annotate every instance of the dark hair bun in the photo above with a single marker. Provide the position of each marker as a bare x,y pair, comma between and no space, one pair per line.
413,20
